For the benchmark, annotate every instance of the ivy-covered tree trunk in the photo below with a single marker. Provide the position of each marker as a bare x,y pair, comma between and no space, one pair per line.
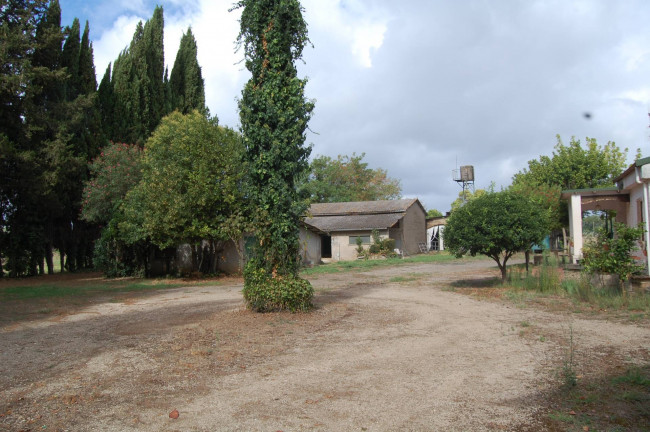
274,114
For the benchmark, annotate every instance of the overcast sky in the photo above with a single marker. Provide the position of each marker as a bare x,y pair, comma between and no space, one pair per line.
423,86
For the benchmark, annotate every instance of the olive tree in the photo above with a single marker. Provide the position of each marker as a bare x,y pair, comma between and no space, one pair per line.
497,225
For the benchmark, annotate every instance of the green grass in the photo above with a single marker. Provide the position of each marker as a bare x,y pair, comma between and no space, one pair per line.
615,402
547,281
107,286
363,265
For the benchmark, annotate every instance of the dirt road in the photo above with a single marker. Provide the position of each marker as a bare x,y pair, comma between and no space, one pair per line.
391,349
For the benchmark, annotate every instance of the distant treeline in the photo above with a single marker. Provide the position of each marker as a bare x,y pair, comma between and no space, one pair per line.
54,121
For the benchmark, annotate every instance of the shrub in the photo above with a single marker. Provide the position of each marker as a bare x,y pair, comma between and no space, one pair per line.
359,245
613,255
387,245
268,293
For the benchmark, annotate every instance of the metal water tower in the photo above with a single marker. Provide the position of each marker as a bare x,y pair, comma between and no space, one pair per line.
465,178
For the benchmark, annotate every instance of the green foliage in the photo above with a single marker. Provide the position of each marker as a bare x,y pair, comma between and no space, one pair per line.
113,173
264,293
274,114
433,213
376,237
47,137
186,88
496,224
570,167
359,242
613,255
135,102
575,167
546,196
346,179
191,176
544,279
466,196
363,265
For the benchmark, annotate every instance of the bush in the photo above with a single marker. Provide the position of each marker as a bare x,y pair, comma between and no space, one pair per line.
375,249
266,293
613,255
387,245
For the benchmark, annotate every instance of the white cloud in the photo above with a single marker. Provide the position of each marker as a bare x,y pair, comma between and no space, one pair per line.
215,30
113,41
352,24
420,85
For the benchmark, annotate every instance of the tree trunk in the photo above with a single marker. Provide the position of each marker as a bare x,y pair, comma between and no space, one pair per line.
195,258
62,259
48,257
527,259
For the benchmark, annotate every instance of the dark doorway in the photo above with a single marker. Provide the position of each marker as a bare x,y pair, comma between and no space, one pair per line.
325,246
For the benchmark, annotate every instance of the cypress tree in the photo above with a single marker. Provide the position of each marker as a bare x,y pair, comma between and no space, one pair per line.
106,103
154,89
87,76
70,60
138,87
186,82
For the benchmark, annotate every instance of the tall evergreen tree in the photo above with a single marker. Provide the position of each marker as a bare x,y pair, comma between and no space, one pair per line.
274,114
138,88
70,60
106,103
32,75
87,76
186,82
46,139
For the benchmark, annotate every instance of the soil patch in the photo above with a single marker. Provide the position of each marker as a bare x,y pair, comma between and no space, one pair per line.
388,349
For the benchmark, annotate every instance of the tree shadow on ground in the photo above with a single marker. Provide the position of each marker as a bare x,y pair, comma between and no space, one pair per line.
487,282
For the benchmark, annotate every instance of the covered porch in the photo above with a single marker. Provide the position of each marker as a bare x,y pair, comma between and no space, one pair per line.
629,200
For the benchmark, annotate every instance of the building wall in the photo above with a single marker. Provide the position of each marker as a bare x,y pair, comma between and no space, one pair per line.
342,250
414,229
230,262
310,247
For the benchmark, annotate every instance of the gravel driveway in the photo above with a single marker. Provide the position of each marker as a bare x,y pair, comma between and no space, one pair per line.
389,349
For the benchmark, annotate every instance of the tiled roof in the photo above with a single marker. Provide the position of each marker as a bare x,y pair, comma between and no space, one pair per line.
358,216
361,207
354,222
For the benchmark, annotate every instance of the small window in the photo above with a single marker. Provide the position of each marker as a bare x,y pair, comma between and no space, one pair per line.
365,239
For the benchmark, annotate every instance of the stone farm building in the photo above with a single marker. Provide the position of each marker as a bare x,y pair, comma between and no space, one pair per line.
331,229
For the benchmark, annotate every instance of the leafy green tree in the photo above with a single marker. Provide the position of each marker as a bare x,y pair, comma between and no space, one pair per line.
496,224
432,213
466,196
574,166
274,114
186,86
191,183
570,167
113,173
346,179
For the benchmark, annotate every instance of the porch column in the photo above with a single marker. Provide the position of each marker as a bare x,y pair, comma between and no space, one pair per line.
646,225
575,226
